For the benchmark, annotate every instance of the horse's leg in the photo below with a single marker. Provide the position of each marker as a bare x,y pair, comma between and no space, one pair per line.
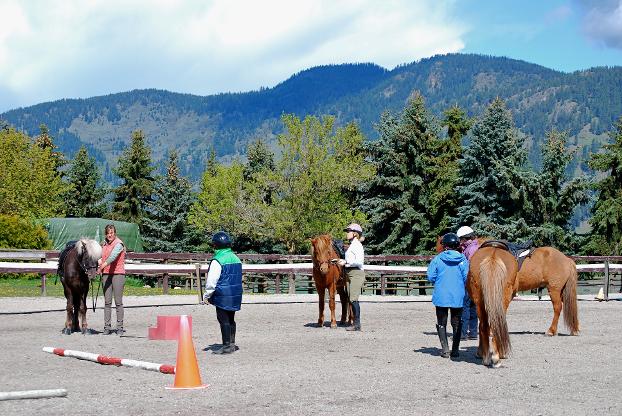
494,352
69,308
331,305
320,293
556,298
77,306
484,333
83,313
344,305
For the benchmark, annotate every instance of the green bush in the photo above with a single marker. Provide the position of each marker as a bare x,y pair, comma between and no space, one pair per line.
17,232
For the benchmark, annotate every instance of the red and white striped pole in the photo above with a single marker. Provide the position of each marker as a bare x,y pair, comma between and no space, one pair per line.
103,359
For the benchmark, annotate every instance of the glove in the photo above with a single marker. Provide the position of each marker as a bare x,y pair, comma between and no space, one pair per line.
341,262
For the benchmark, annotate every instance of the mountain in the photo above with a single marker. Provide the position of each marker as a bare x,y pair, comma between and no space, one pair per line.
584,103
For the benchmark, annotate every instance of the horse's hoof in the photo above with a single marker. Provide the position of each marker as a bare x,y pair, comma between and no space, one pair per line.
333,326
87,331
550,334
66,331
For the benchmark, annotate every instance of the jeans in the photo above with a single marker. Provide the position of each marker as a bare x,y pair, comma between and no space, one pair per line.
469,318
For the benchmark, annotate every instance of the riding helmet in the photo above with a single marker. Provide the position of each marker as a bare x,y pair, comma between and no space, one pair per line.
221,240
464,231
450,240
354,227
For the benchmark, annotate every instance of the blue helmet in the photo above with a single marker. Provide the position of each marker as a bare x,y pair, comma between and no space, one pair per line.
221,240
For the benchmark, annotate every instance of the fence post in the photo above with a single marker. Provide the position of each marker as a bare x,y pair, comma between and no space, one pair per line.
43,287
197,268
277,284
291,281
607,278
165,284
383,284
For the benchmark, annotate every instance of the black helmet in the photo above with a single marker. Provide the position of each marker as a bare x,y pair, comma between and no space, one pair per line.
450,240
221,240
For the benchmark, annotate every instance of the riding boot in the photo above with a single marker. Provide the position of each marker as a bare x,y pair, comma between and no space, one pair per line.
356,310
455,342
442,335
235,347
227,347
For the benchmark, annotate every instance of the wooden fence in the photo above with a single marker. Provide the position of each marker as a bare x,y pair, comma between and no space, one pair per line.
277,273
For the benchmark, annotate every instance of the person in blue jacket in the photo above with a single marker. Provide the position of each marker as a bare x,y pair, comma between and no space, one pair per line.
223,289
448,271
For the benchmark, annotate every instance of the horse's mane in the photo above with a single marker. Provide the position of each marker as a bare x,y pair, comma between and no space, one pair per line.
323,247
93,249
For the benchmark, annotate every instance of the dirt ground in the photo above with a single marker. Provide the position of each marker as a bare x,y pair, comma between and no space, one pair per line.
285,365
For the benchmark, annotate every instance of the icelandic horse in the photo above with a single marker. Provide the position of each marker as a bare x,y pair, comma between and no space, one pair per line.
491,283
77,267
550,268
327,274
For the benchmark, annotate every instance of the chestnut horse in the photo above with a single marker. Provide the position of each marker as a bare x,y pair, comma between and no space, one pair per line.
491,283
329,275
77,267
550,268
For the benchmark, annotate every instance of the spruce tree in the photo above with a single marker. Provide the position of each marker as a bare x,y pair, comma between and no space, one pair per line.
492,188
398,200
46,142
134,169
443,201
166,227
553,198
85,197
606,236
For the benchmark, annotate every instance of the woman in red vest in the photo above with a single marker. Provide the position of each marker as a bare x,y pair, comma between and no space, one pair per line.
112,268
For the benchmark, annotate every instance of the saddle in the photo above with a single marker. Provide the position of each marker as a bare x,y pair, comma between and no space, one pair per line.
520,251
61,258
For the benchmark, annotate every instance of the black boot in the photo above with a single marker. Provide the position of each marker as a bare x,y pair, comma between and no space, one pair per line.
227,346
235,347
356,310
455,342
442,335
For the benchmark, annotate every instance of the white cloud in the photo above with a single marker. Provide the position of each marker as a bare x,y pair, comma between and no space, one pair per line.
74,48
602,21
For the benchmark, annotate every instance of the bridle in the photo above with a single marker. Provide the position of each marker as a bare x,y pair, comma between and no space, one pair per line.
85,268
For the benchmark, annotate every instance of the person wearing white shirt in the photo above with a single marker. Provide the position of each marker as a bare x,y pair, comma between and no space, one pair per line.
355,274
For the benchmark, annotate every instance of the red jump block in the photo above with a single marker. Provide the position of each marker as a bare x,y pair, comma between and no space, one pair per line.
167,327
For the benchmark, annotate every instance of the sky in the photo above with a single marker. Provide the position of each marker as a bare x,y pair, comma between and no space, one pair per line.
54,49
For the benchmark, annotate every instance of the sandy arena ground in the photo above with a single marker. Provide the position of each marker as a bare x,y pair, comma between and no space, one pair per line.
286,365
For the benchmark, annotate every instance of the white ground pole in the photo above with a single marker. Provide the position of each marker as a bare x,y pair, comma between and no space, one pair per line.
32,394
103,359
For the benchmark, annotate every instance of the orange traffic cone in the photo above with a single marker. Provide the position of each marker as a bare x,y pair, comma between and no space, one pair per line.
187,374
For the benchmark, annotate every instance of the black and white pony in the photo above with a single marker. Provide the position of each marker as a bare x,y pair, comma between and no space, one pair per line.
77,266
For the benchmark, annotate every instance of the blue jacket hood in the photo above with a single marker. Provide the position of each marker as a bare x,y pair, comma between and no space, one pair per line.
451,257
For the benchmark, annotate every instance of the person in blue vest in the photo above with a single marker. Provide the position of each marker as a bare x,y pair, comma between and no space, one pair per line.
223,289
448,271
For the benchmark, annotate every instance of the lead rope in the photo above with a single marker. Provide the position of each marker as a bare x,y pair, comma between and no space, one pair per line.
94,298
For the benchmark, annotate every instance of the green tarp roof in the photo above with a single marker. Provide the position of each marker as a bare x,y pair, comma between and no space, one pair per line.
63,230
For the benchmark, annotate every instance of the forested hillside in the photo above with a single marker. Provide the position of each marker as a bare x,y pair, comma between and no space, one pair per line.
584,103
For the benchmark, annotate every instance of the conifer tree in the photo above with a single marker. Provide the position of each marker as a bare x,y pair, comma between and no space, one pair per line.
85,197
443,201
166,227
553,198
45,141
492,187
398,200
134,169
606,238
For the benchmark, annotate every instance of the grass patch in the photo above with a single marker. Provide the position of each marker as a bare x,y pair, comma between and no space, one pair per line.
32,288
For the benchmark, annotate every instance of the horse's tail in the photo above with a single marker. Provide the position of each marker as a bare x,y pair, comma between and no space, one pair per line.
493,274
569,298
